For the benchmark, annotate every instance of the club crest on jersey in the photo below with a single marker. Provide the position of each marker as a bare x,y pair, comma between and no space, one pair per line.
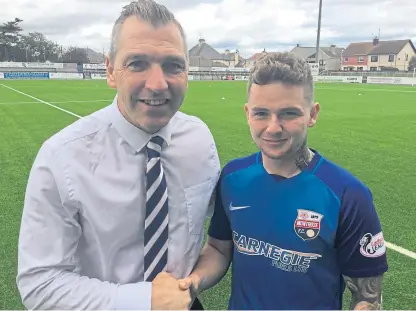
308,224
372,245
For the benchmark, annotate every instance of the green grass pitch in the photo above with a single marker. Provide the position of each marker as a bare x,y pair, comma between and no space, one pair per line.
372,134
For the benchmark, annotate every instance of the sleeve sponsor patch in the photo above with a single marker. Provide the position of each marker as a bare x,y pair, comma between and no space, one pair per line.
372,245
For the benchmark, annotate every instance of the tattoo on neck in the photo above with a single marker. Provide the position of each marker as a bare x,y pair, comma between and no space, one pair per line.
304,157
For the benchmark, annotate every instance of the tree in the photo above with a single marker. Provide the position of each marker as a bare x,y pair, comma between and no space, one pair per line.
75,55
37,48
9,37
34,46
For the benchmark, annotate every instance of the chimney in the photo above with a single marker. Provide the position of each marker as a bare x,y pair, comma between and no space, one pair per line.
375,41
332,49
236,56
227,51
201,41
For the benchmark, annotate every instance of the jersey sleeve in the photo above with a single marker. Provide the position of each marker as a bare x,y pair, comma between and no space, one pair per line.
360,243
219,227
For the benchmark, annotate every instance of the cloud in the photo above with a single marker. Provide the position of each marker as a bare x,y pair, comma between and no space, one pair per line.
249,25
252,25
173,5
182,4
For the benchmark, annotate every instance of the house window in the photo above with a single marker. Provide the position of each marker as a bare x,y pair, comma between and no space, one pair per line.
391,58
374,59
360,59
373,68
406,57
345,59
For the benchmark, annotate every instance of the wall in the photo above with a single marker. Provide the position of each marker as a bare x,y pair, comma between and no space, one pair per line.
382,61
333,64
353,61
401,59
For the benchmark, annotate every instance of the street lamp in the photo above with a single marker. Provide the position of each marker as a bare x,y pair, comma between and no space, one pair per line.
318,36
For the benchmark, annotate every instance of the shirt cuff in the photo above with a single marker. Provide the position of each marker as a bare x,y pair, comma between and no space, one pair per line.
137,296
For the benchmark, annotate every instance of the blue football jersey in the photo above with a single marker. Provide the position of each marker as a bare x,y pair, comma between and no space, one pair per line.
295,237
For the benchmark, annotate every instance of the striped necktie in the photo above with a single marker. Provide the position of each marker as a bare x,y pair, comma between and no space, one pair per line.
156,223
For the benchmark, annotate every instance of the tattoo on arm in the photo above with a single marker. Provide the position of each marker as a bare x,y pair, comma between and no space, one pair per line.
366,292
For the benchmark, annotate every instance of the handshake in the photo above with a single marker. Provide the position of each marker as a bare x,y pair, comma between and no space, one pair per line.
169,293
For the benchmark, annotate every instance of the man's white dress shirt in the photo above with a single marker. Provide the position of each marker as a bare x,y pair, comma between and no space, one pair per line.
82,230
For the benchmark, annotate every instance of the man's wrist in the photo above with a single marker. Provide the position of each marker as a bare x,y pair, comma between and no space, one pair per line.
196,283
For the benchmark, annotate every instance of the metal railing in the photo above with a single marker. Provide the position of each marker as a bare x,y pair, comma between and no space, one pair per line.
369,73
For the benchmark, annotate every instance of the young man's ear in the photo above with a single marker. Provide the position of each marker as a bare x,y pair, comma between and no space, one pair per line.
111,82
314,114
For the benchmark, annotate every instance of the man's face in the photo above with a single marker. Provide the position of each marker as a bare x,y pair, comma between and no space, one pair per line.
149,73
279,117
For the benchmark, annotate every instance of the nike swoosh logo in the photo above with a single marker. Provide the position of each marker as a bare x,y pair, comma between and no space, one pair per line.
234,208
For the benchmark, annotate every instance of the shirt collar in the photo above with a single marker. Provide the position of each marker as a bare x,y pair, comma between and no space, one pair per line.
135,137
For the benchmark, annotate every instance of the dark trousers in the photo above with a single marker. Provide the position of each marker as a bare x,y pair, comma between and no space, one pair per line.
197,305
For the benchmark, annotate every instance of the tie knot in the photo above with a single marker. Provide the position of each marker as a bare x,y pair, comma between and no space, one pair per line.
154,146
157,140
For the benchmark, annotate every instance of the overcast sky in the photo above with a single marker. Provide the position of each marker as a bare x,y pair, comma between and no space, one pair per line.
249,25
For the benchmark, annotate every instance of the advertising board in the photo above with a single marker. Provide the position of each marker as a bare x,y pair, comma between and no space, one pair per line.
94,66
391,80
31,65
314,69
98,76
66,75
26,75
339,79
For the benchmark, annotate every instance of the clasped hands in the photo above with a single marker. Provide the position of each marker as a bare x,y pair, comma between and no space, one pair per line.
169,293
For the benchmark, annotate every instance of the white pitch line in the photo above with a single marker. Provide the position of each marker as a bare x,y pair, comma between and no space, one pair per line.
401,250
42,101
59,102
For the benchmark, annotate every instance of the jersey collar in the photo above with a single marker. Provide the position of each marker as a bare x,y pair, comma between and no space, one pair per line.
312,166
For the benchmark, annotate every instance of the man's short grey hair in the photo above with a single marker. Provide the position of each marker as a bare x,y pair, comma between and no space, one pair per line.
149,11
284,68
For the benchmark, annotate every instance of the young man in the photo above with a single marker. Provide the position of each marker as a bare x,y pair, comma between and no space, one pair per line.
116,202
295,226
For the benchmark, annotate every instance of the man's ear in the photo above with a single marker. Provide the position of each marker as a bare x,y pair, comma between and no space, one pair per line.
314,114
247,111
111,82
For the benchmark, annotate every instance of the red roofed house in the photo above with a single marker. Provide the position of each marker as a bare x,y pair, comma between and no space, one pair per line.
355,56
378,55
252,60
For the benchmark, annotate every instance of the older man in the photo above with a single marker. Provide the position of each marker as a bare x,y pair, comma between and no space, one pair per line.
116,202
